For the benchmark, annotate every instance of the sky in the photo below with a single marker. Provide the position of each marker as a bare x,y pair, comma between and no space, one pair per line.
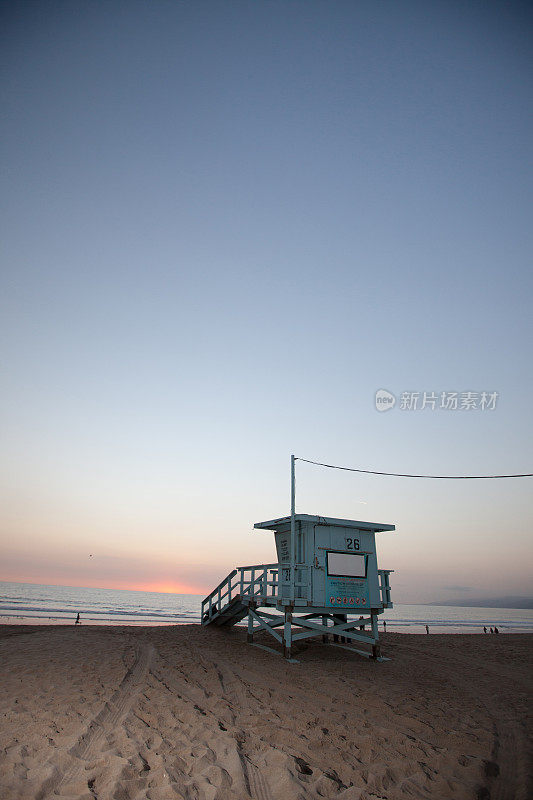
225,227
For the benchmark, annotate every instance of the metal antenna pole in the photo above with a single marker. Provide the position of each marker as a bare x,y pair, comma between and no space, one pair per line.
293,527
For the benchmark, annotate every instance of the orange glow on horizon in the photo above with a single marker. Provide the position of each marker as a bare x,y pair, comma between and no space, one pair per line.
167,587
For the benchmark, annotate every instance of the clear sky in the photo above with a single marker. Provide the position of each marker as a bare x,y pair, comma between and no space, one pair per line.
226,225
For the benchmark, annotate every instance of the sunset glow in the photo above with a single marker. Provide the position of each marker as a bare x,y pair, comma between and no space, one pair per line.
169,588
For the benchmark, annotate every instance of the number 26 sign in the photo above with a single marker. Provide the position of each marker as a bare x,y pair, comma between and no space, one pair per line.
351,544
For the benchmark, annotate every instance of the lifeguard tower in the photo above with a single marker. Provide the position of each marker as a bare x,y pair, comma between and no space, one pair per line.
325,582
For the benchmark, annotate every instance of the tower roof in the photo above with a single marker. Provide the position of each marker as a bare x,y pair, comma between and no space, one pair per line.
283,523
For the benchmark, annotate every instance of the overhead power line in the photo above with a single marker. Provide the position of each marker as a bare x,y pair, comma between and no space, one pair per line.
405,475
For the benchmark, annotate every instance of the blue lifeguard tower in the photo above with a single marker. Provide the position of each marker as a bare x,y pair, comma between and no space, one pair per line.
325,582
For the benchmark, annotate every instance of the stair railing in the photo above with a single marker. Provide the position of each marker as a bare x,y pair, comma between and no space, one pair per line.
384,587
259,580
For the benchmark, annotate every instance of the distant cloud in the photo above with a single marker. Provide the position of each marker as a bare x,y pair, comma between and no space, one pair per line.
457,588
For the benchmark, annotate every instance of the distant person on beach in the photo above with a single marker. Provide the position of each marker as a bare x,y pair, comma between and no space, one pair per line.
496,629
214,610
427,628
340,618
484,629
78,621
384,627
491,630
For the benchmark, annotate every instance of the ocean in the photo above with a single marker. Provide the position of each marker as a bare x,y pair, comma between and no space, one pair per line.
31,603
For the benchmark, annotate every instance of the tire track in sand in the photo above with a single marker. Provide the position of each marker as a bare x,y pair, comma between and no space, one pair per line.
246,777
238,695
113,712
255,780
509,776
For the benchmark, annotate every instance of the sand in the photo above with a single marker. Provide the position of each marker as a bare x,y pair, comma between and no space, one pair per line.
125,713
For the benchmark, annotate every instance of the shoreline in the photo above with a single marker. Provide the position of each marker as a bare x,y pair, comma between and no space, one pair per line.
412,628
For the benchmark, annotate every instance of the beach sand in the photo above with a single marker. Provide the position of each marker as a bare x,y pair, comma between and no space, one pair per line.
124,713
